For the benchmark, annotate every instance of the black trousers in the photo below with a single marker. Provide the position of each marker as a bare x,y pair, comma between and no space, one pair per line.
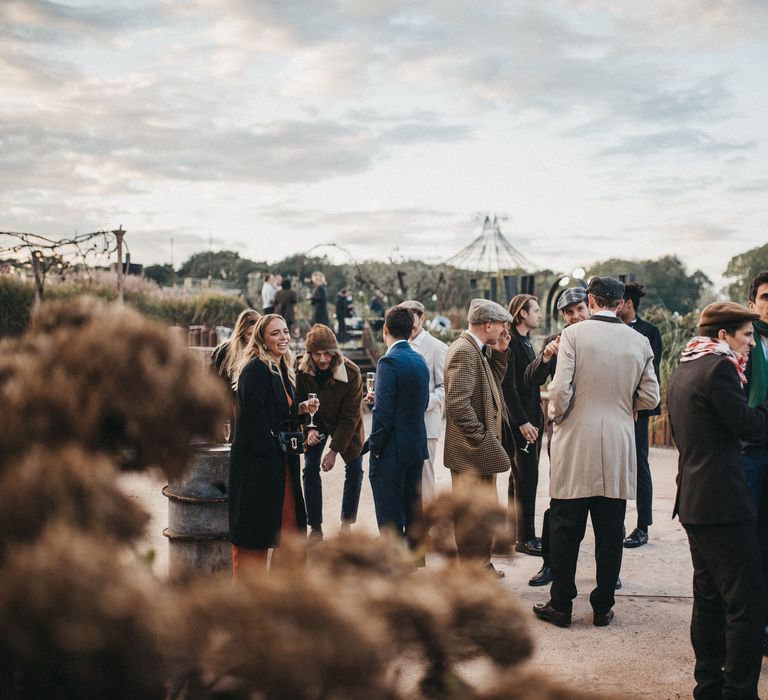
523,482
567,524
728,610
644,482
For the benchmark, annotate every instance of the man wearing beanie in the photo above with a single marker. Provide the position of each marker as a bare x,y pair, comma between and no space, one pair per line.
476,417
322,370
709,415
604,374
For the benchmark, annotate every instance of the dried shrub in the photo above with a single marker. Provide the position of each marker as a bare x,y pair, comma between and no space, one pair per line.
67,485
76,623
106,378
470,513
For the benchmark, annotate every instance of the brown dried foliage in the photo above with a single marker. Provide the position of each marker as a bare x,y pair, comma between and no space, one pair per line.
106,378
75,623
69,486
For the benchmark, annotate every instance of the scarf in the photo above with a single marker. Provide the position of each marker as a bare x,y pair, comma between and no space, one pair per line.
758,379
699,346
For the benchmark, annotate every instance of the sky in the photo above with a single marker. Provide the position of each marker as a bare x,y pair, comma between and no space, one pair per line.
389,127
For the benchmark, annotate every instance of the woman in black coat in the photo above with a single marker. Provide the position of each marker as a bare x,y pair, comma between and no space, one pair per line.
264,484
319,300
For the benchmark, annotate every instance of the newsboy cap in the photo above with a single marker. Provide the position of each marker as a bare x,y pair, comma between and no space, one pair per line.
487,311
725,312
606,287
572,295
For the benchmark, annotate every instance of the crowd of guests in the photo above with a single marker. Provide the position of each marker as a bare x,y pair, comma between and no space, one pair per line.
603,374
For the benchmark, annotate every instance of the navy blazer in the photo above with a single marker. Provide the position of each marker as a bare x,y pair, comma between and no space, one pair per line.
402,397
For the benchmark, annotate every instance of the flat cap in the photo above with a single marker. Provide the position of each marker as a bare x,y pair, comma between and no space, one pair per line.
416,306
572,295
724,312
607,287
487,311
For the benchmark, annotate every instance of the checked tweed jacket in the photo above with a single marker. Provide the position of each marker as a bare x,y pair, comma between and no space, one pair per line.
475,413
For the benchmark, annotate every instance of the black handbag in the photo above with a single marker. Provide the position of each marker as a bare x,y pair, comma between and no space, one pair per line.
291,441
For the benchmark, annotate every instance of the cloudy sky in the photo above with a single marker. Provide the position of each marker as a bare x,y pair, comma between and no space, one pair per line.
630,129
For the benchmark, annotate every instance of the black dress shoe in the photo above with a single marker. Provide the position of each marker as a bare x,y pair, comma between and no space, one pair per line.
637,538
545,611
531,547
493,570
602,619
542,578
618,584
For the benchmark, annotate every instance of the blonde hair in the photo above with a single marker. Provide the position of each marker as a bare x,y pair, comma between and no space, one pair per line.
238,341
518,304
256,348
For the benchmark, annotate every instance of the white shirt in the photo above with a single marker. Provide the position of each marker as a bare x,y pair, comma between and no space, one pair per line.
267,295
480,344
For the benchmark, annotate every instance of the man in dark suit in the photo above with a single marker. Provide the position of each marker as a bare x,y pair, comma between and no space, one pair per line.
710,415
398,441
639,536
524,407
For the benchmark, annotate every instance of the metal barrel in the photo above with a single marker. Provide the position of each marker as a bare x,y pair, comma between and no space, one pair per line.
198,524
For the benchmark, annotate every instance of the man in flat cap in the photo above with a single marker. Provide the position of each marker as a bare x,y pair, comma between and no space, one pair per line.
604,374
572,306
475,411
633,292
710,417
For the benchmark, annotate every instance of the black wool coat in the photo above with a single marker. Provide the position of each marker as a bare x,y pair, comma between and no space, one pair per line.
523,399
257,467
709,416
653,334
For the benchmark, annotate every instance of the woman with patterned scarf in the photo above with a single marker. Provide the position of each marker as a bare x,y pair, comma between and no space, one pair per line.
710,417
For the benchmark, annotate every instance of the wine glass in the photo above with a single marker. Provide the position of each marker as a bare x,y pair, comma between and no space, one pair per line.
370,381
311,405
527,447
227,431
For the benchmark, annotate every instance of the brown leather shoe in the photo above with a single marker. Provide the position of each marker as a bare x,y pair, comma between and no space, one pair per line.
545,611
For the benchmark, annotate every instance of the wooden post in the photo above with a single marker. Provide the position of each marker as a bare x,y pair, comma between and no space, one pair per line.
38,277
119,234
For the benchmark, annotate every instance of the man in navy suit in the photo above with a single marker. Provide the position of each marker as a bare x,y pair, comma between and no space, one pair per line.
398,441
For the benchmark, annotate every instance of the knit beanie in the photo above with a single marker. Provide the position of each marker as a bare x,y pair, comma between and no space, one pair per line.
320,337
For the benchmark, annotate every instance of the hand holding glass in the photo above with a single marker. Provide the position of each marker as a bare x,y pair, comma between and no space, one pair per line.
370,381
312,404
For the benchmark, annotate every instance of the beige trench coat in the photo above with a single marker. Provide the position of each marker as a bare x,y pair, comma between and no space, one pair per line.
604,373
473,419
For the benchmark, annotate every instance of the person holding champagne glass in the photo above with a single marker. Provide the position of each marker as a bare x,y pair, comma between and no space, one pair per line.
325,373
265,496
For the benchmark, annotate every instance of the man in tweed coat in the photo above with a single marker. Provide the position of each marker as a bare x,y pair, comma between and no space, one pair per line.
475,411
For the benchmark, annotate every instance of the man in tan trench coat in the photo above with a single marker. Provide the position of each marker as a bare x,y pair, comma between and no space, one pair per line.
604,374
475,411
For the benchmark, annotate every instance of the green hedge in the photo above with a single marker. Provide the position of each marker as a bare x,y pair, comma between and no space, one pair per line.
211,309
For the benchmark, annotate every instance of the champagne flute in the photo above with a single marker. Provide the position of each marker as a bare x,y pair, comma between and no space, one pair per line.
312,398
370,381
227,431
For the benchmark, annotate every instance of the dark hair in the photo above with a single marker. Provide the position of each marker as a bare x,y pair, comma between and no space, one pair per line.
760,278
605,302
632,292
399,322
518,304
730,328
286,283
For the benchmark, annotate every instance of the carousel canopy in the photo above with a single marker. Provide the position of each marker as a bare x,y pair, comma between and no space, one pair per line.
490,252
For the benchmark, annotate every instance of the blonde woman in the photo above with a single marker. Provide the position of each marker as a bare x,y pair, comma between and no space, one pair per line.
226,356
319,300
264,485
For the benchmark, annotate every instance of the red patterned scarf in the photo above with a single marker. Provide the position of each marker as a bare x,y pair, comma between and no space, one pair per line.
699,346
